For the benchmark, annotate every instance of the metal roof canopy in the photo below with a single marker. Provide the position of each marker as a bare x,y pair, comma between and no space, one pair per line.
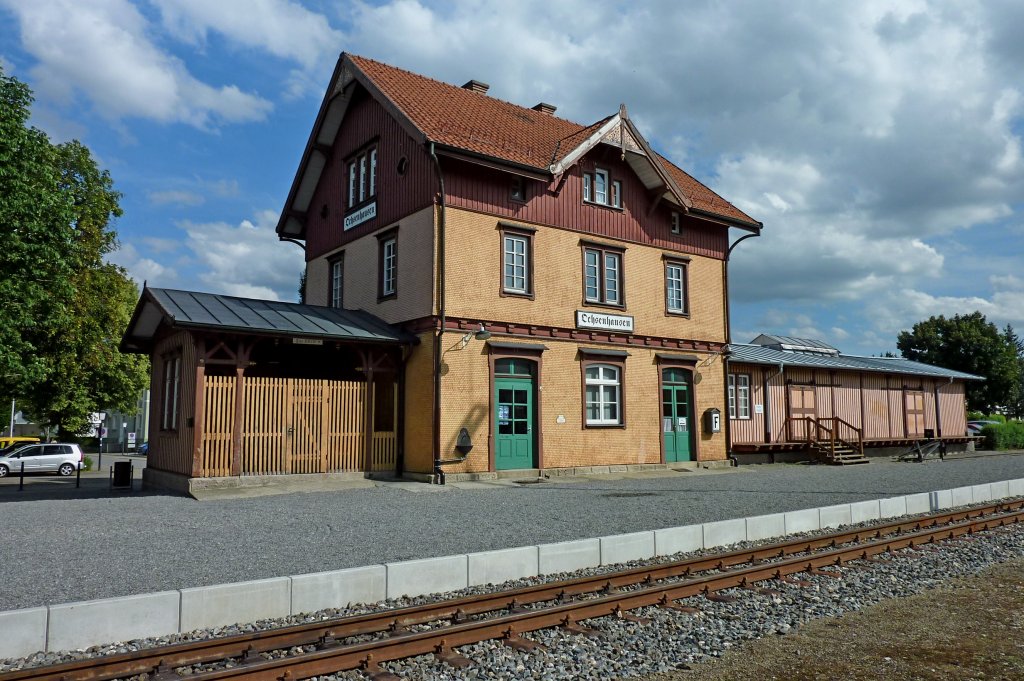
761,354
210,311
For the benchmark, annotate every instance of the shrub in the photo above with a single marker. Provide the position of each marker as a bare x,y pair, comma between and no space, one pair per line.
1004,435
88,463
996,417
976,416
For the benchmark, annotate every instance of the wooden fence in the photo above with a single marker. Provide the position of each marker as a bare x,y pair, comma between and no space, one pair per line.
292,425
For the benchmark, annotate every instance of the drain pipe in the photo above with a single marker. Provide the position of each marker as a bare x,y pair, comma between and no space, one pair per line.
442,319
728,340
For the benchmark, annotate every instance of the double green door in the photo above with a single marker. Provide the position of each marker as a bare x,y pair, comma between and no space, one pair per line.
514,417
676,416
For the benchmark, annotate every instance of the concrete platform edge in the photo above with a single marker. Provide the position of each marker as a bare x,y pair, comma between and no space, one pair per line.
58,627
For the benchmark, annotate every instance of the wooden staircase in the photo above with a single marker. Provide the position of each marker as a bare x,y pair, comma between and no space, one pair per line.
837,454
830,440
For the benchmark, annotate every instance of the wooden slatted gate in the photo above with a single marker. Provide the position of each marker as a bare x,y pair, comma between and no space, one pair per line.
298,426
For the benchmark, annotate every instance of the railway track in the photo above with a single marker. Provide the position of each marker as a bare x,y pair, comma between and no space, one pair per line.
364,642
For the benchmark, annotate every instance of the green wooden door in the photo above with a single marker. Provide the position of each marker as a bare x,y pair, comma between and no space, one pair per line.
514,418
676,415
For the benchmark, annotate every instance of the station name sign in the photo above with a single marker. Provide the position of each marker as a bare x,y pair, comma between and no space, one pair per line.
307,341
603,321
365,213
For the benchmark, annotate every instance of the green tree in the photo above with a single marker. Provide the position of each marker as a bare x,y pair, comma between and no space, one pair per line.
1015,404
972,344
62,307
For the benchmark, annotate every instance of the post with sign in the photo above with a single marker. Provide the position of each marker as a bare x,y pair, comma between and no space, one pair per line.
131,440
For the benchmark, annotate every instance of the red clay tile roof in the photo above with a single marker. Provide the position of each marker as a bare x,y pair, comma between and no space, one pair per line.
478,123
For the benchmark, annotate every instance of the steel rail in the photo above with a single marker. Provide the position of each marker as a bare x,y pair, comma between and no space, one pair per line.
457,610
367,656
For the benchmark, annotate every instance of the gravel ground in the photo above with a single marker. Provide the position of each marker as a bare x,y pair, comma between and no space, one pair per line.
672,641
80,549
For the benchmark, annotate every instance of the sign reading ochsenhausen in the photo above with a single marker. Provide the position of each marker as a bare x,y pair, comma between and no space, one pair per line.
360,216
603,321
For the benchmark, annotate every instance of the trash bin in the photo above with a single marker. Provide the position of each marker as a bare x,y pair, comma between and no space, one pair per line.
121,475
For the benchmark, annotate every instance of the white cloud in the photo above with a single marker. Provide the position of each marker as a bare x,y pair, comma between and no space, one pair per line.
143,269
282,28
103,49
246,259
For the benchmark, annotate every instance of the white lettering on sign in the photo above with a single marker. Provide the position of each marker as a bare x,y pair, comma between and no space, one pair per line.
365,213
307,341
606,322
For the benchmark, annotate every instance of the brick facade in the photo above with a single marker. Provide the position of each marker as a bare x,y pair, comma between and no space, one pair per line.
509,168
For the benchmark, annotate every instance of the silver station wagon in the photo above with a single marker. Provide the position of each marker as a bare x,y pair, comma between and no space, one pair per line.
63,459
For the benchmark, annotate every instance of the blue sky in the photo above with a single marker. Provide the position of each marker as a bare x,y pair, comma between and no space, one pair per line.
879,142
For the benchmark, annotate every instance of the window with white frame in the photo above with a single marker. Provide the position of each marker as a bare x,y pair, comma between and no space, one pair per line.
362,177
675,288
337,280
739,396
516,263
602,276
603,395
172,383
599,188
388,267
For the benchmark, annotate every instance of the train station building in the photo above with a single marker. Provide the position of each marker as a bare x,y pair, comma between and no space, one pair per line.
490,290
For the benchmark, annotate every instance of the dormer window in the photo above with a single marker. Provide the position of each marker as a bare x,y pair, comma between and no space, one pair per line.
599,188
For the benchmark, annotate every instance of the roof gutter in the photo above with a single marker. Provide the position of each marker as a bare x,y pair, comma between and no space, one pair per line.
754,227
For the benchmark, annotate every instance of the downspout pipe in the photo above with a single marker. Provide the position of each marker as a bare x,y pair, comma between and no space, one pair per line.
728,341
442,319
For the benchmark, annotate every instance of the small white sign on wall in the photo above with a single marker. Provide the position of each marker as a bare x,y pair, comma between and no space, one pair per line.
604,321
758,408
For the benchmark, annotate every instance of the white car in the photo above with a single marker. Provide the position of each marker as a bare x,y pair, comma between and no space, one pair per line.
60,458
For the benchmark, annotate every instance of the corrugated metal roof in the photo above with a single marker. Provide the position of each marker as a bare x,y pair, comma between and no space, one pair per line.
194,309
760,354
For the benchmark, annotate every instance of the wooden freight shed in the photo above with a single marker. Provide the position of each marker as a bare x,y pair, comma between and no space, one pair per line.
798,398
243,387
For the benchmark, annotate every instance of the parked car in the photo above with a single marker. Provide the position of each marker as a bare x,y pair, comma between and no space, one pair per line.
60,458
7,442
144,449
974,427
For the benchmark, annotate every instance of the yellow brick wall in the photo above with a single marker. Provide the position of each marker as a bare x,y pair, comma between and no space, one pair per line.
419,400
474,279
465,403
415,269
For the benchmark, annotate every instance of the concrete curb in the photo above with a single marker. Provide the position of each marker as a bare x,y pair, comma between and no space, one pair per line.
87,623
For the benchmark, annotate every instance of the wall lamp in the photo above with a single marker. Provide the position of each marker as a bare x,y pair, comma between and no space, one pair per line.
481,334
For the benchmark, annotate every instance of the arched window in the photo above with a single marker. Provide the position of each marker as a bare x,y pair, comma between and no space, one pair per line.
603,395
511,366
675,375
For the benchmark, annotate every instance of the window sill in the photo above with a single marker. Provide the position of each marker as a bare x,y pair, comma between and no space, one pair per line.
607,306
359,206
516,294
599,426
390,296
670,313
596,204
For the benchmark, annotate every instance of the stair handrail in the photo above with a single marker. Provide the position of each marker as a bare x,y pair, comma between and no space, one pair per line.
859,445
810,431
